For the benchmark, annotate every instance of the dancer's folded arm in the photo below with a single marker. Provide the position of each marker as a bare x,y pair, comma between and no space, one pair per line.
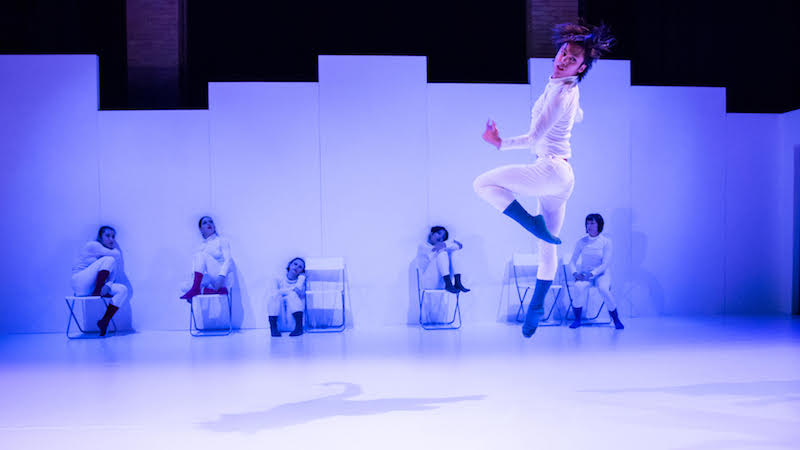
540,125
227,260
572,264
607,250
97,250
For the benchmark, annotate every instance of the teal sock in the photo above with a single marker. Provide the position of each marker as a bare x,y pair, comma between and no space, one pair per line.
534,224
536,308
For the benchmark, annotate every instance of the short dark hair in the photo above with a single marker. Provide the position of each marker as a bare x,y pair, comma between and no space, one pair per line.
102,230
295,259
595,41
438,228
200,222
598,219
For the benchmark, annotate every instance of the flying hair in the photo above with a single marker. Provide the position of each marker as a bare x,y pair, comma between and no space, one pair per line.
596,41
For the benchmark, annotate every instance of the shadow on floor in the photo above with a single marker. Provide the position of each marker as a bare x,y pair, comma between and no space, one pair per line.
329,406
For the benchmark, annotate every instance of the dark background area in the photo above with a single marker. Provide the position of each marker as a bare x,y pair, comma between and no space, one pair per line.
748,47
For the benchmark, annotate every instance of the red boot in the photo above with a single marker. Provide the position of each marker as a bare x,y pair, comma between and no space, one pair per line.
103,323
195,289
99,282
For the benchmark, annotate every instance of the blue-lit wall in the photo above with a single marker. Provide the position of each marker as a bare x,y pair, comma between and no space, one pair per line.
697,201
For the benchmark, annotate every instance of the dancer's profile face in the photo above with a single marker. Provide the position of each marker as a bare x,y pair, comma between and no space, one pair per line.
207,227
568,61
436,237
108,239
591,228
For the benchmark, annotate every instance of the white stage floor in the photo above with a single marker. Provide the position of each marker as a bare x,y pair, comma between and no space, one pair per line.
668,383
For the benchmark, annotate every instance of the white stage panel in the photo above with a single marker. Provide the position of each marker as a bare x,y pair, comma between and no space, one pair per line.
374,188
752,225
457,114
154,187
678,191
48,124
265,146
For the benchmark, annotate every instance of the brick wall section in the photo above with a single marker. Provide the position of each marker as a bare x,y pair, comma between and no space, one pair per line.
153,53
542,15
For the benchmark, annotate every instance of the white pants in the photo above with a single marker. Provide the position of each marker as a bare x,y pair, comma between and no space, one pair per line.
293,303
549,178
83,281
442,264
603,284
206,264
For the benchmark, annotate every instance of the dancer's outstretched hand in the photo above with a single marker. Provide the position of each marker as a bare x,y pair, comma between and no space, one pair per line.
491,134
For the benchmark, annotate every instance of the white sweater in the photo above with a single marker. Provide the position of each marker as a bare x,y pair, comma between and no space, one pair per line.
218,248
552,117
93,251
595,254
284,285
426,252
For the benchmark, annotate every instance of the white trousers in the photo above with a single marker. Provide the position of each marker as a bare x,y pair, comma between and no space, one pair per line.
206,264
293,303
442,264
83,281
603,284
549,178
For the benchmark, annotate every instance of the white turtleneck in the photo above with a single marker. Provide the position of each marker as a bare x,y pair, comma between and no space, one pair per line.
595,254
93,251
552,117
218,248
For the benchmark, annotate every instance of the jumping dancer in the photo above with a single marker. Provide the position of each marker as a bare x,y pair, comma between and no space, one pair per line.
550,178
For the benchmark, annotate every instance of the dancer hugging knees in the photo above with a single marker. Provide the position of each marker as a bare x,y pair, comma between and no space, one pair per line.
550,178
436,263
291,289
595,253
100,263
212,263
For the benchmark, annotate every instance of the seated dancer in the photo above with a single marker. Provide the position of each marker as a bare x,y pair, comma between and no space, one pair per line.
98,266
594,251
290,288
212,264
436,263
550,177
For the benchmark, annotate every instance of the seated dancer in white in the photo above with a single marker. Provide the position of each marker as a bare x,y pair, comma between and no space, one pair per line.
594,252
290,288
98,266
436,263
212,263
550,178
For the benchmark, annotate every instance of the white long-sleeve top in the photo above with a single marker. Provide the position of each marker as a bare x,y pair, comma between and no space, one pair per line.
595,254
218,248
552,117
93,251
283,284
426,253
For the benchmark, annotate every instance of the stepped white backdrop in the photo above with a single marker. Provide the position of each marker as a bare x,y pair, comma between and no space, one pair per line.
699,203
